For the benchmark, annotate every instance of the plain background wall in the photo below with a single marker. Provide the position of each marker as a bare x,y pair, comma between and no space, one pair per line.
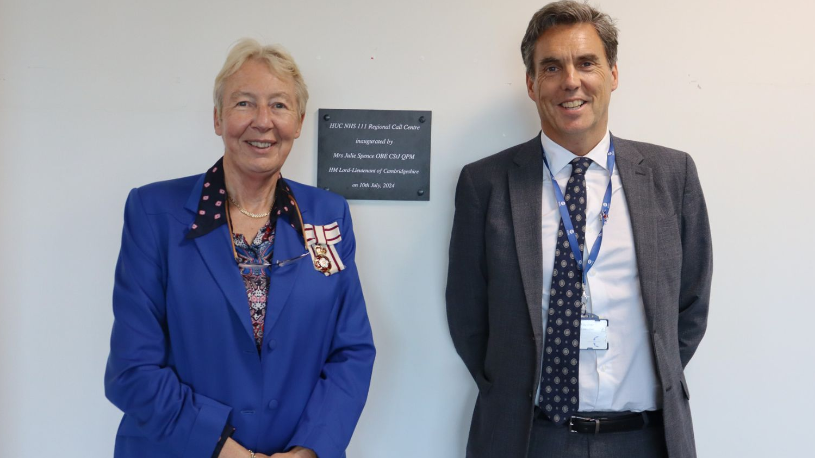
97,97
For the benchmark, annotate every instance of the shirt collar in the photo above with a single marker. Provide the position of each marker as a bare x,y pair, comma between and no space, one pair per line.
212,205
559,157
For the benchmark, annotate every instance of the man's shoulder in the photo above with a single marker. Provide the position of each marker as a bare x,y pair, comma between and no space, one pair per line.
501,161
671,169
651,153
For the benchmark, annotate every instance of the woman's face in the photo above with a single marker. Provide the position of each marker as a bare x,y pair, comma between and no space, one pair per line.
259,119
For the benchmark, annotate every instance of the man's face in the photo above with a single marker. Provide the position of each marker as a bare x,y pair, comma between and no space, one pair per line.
259,119
572,85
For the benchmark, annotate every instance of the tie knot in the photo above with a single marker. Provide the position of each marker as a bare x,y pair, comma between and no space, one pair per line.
580,165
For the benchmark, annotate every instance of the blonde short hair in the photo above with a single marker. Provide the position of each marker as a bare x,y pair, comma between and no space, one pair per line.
280,63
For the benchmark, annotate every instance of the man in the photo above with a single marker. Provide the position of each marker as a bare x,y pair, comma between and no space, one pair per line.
577,347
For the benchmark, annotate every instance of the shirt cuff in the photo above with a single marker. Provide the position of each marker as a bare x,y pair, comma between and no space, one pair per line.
225,434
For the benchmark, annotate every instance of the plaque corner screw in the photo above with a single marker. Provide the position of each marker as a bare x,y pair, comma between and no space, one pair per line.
420,192
421,119
327,117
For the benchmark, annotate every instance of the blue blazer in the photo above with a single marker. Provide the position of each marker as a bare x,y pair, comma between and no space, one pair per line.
183,361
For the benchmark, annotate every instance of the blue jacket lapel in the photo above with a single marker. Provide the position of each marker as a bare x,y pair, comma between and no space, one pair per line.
288,246
215,249
217,255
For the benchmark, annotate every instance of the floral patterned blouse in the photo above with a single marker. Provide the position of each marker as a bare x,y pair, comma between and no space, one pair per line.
255,262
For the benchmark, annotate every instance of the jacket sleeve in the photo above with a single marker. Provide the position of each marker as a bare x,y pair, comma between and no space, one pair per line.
137,379
697,265
332,411
466,295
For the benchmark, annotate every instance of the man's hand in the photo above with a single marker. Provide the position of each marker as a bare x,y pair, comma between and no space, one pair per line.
296,452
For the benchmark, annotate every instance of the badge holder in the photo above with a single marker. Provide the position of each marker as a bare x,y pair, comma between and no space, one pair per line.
593,332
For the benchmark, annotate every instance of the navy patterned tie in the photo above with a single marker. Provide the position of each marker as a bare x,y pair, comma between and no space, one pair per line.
559,396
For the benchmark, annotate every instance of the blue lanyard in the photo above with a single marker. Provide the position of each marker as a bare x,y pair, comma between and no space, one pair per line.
567,220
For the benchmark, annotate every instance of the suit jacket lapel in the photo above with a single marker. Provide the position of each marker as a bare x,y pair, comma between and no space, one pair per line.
217,254
214,249
638,183
288,245
525,180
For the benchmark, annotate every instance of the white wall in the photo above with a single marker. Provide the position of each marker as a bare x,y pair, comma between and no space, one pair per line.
97,97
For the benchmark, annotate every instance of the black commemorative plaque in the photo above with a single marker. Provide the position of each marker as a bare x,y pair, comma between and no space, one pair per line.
374,154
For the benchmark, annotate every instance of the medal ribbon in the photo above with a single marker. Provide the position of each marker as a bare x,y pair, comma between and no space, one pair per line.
319,238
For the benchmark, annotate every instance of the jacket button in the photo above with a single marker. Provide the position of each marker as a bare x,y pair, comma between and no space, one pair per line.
273,404
529,394
272,344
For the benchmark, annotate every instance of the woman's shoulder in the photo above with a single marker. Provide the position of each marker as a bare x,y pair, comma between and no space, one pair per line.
318,200
168,195
309,193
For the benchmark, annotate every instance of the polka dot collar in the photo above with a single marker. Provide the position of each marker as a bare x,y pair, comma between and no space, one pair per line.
212,206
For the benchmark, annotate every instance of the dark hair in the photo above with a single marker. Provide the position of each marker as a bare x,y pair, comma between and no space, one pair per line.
568,12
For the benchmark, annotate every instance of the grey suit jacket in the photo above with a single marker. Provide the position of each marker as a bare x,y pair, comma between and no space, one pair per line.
494,284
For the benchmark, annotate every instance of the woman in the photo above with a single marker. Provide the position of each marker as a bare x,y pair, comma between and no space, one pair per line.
240,328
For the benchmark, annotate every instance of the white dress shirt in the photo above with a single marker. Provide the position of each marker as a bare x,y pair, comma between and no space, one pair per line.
624,376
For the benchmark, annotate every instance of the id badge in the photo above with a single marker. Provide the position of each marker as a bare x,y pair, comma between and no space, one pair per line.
593,333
